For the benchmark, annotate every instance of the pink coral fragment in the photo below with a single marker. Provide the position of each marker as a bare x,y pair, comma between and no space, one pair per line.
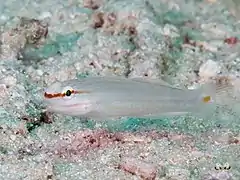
140,168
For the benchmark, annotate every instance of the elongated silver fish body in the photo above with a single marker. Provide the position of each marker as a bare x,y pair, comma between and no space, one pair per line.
113,97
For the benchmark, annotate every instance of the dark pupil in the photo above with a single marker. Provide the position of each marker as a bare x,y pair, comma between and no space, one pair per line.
68,93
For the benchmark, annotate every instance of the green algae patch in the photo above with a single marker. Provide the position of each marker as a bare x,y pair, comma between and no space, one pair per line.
61,44
176,18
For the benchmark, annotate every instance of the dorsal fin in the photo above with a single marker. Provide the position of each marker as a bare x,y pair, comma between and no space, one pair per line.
153,80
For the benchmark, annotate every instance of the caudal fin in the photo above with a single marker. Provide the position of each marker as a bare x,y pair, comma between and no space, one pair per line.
213,95
221,93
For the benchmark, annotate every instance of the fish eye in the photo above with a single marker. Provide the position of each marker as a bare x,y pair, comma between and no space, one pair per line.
68,93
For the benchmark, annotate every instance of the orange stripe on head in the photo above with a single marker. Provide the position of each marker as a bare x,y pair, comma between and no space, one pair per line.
50,96
56,95
79,92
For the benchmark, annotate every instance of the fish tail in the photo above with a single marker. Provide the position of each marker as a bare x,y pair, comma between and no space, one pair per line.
207,94
212,95
205,101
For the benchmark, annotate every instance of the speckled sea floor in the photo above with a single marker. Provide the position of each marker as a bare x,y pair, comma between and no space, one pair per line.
183,42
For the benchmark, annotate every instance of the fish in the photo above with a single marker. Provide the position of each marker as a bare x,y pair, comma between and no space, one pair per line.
100,98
